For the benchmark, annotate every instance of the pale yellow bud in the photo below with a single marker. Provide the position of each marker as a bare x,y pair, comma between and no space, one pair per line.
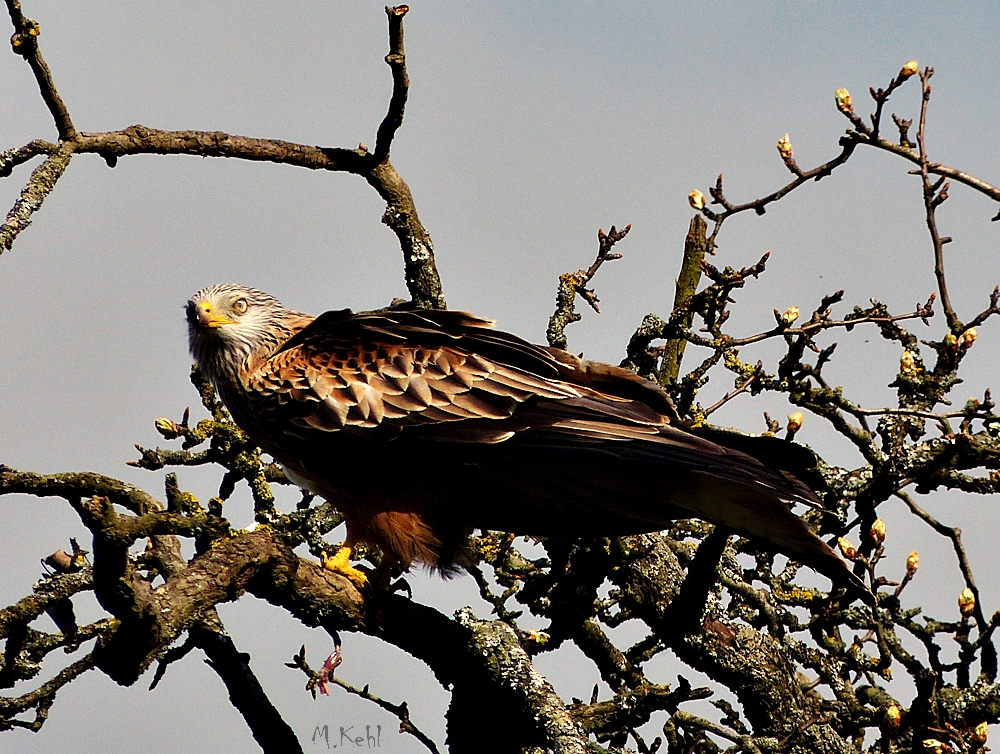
785,148
907,361
847,548
966,601
933,746
536,637
892,716
844,102
967,338
795,421
981,732
909,69
950,340
878,531
912,563
697,200
168,428
791,314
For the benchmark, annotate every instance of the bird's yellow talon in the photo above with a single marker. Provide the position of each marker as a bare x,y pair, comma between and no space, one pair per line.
340,563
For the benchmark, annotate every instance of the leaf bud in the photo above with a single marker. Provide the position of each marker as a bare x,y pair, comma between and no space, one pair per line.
168,428
966,602
785,148
697,200
791,314
933,746
967,338
847,548
908,69
795,422
878,532
912,563
907,361
950,340
844,102
980,734
535,637
892,716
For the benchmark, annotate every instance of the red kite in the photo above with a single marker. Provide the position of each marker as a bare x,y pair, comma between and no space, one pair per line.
423,425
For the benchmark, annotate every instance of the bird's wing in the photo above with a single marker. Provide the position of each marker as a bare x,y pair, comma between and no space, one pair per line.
446,376
446,373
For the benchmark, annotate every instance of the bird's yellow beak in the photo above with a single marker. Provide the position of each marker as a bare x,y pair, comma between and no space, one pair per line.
207,317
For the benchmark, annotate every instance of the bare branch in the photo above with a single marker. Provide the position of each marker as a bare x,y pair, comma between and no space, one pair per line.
573,283
41,699
932,198
400,82
14,157
319,679
25,44
43,180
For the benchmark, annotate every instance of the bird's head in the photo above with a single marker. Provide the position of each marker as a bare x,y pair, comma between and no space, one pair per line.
229,323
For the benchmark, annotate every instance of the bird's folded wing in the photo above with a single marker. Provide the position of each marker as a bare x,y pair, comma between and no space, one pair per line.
446,376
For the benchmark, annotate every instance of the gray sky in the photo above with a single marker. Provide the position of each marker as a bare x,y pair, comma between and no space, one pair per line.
529,126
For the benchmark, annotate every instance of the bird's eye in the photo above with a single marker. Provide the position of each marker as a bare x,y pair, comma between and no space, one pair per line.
240,305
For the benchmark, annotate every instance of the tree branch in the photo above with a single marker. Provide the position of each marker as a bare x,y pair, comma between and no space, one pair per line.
25,44
43,180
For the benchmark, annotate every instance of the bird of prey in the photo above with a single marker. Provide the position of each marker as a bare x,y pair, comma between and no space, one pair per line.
424,425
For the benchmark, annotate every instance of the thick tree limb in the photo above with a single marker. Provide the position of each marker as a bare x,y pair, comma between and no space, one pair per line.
269,729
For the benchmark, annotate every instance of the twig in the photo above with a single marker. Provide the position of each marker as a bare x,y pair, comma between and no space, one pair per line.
573,283
11,158
932,198
42,698
324,676
955,535
742,388
25,44
744,742
400,82
760,205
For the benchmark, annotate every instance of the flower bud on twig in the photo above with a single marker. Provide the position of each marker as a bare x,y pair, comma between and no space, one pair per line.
909,69
847,548
966,602
933,746
168,428
980,734
950,340
967,338
907,361
795,422
892,716
844,102
878,532
791,314
785,148
697,200
912,563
